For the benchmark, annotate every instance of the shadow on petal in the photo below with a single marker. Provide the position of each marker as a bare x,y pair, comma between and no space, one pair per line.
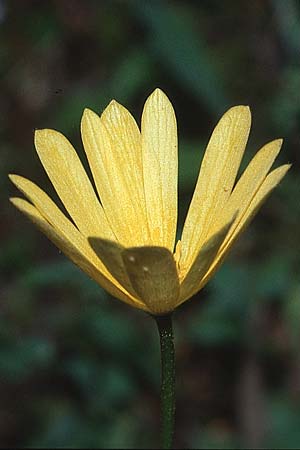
207,254
110,253
153,274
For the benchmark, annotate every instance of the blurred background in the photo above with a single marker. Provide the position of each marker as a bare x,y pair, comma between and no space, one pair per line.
80,369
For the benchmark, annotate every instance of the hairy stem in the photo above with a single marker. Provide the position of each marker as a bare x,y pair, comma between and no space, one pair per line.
165,329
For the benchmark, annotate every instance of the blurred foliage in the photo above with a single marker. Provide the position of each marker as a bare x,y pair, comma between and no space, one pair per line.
79,369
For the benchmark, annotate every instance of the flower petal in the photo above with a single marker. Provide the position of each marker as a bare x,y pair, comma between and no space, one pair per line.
251,180
153,275
204,259
65,228
110,254
270,182
160,166
73,250
216,179
113,147
71,183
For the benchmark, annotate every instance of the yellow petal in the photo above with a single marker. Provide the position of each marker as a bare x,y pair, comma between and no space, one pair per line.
270,182
160,165
203,261
71,183
216,179
63,226
110,254
48,209
153,275
113,148
251,180
73,250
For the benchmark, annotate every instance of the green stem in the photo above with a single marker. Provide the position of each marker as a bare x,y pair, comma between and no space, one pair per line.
165,329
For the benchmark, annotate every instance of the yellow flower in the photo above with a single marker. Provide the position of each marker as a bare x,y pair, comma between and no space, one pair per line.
125,241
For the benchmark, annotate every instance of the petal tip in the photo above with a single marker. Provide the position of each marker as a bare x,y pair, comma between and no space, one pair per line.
46,138
86,111
285,167
158,91
247,110
39,132
17,202
41,135
158,94
288,166
37,135
158,102
242,114
12,177
18,180
86,115
113,104
15,179
278,174
113,111
240,110
278,143
40,139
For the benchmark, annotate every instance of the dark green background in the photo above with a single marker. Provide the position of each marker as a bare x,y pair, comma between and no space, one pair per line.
78,368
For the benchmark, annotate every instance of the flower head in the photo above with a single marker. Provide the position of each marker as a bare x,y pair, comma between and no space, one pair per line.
123,236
